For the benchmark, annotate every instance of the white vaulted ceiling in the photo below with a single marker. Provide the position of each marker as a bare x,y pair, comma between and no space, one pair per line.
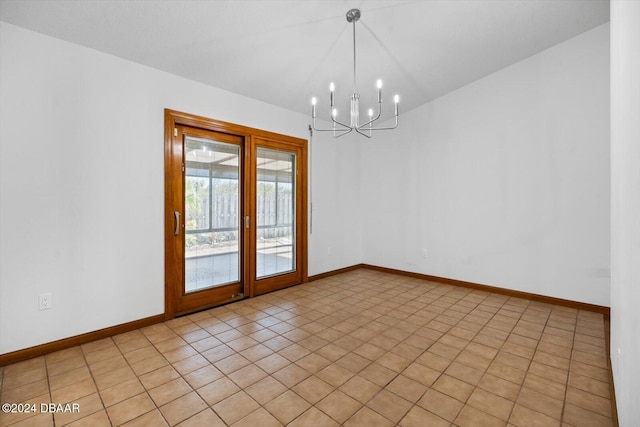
283,52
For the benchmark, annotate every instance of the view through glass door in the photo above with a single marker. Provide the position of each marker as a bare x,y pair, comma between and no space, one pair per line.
235,212
278,202
204,237
276,208
212,213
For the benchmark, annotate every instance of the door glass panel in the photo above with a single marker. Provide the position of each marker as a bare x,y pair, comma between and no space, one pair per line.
212,214
275,205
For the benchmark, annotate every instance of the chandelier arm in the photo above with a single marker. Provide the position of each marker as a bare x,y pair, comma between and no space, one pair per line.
333,119
373,119
362,133
343,133
345,129
313,122
330,130
387,127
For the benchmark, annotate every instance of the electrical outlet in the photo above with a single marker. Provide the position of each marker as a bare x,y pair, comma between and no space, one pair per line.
424,253
329,251
45,302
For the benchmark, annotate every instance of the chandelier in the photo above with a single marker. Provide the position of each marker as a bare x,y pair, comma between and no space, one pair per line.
366,129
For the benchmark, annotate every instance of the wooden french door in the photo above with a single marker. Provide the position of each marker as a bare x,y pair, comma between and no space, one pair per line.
276,203
235,212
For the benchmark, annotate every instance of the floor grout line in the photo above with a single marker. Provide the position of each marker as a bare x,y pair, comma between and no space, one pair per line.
405,318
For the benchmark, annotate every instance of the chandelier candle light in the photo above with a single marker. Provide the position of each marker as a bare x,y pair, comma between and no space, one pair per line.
339,129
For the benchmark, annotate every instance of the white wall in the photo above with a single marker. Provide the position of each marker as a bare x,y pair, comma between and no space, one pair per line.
625,208
81,193
335,193
503,182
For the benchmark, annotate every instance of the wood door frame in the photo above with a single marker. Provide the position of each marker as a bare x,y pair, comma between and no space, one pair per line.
173,163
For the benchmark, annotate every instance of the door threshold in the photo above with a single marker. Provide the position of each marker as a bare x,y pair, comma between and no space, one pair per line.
231,300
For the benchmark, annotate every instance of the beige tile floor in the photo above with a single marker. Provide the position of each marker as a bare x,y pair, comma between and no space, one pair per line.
363,348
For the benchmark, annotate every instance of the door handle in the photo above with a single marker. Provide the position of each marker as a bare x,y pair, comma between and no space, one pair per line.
176,230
